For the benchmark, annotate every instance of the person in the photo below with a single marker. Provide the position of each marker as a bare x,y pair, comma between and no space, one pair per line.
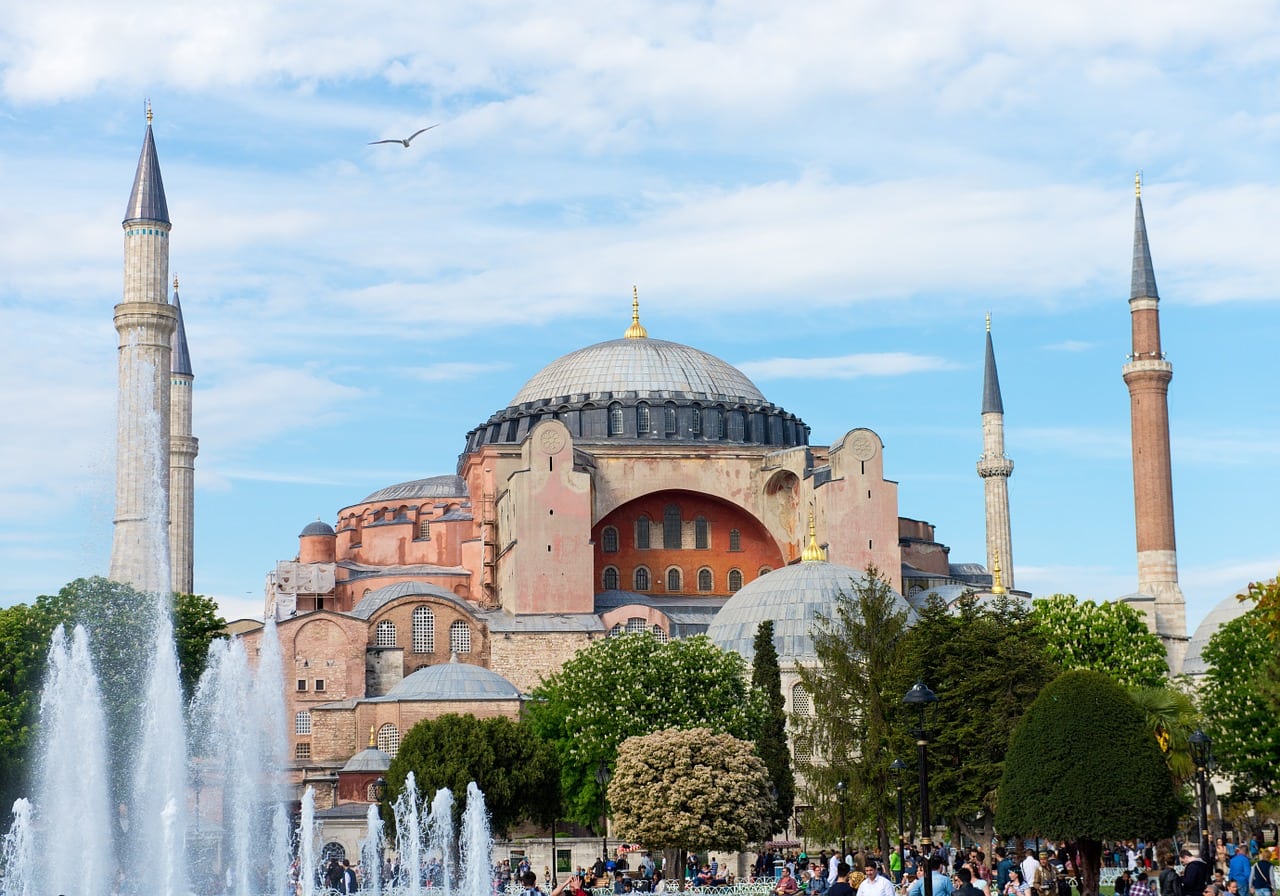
1123,882
1003,865
787,885
1170,881
1260,882
598,870
1029,867
1015,886
529,881
966,888
573,886
349,883
874,883
618,878
1195,873
895,864
1140,887
1240,869
940,882
841,885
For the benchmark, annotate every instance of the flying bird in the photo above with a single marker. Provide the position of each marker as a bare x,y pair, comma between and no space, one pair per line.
405,141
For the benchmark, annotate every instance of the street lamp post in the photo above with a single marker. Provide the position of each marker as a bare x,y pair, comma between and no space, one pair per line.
602,778
1201,755
921,698
898,768
841,787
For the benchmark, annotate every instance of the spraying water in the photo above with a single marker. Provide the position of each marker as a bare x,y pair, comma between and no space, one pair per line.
17,854
409,836
307,834
371,852
475,845
442,838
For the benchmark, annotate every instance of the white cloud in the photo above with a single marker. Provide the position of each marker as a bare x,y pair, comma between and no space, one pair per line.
452,371
845,367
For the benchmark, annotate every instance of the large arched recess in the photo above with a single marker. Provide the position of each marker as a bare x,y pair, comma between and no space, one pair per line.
751,550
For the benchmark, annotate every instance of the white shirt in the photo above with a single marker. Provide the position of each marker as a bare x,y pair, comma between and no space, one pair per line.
831,869
880,886
1029,868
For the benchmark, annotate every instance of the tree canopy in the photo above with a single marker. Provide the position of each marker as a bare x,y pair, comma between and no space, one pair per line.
1110,637
771,737
1238,716
1082,765
987,663
634,684
516,770
691,789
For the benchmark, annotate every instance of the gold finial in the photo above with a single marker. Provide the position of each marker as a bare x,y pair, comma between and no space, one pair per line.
997,587
1137,183
636,330
175,282
988,321
813,553
371,740
148,110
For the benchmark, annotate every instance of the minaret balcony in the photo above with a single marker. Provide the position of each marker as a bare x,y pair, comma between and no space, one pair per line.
995,466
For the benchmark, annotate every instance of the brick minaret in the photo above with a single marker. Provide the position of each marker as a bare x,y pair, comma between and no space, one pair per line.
145,323
1147,374
183,448
995,470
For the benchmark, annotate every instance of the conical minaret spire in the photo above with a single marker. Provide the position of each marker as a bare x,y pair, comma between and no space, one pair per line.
995,469
1147,374
183,448
145,323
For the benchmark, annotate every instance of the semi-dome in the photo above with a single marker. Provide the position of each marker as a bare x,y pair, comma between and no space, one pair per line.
447,486
640,365
319,527
379,598
792,597
453,681
1227,609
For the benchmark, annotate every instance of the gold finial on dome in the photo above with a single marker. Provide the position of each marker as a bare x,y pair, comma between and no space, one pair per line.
997,587
371,740
636,330
813,553
1137,183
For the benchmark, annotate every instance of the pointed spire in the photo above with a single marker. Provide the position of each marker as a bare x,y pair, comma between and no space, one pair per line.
991,402
180,358
147,202
813,553
636,330
1144,273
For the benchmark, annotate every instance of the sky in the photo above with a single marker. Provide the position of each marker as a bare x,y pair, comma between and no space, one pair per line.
828,195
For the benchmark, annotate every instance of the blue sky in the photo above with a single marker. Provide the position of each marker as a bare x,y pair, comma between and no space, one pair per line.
827,195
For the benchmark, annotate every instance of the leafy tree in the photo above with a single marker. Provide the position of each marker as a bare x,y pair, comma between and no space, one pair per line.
1266,597
1110,637
1244,726
987,663
1171,718
634,684
516,770
196,625
858,722
24,644
771,738
691,789
1083,766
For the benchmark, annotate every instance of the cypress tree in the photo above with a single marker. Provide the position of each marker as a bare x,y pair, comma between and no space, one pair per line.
771,739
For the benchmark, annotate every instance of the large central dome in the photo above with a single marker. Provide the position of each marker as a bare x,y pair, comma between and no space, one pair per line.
639,365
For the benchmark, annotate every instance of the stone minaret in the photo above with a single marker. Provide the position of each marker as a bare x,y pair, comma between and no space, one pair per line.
1147,374
183,448
145,321
995,470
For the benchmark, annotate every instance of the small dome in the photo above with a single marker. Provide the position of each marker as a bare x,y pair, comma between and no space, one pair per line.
792,597
453,681
319,527
639,365
1227,609
446,486
370,759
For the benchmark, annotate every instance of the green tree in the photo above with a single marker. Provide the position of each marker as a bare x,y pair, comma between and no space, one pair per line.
1171,718
1266,599
986,662
634,684
516,770
1238,716
1110,637
771,737
1083,766
24,645
858,723
691,789
196,625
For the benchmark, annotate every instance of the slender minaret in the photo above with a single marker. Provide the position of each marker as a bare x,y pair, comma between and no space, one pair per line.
145,322
1147,374
995,470
183,448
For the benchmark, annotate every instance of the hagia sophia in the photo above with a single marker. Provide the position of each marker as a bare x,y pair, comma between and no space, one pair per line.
633,485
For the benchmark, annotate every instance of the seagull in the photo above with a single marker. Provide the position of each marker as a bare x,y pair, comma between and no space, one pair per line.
405,141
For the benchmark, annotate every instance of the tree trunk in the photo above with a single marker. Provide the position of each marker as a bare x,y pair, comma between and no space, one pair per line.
1090,859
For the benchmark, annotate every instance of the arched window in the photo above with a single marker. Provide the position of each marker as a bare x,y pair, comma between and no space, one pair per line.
302,722
673,579
705,579
642,578
642,533
669,419
695,421
717,423
804,750
660,633
737,427
389,739
735,540
642,419
735,579
611,578
701,534
615,419
800,703
764,571
636,624
386,634
609,540
333,850
424,528
671,527
459,637
616,630
424,630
